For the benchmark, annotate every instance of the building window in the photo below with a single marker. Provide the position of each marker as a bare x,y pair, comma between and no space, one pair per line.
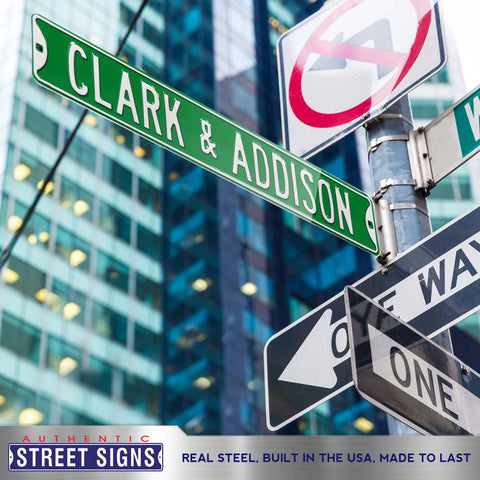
26,279
65,300
146,342
254,282
298,308
141,394
72,249
428,109
63,358
114,222
98,375
76,199
148,242
255,329
148,291
37,230
82,152
109,323
117,175
41,125
149,195
112,271
20,338
252,233
30,169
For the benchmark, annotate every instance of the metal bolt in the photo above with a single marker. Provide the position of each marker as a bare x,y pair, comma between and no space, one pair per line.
465,370
384,271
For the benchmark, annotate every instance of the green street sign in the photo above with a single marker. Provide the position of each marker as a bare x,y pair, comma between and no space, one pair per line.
88,75
454,136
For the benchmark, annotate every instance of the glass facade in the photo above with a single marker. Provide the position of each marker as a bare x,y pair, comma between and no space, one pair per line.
81,309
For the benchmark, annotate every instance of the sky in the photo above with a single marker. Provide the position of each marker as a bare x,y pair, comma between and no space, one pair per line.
463,16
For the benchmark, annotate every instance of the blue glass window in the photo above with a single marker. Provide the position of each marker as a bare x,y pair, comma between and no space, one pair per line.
112,271
19,337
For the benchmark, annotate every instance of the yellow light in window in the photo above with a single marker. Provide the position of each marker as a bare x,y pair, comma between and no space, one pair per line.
273,22
44,237
48,189
77,257
249,289
364,425
41,295
90,119
50,298
7,414
199,238
21,172
71,310
173,176
80,207
32,239
120,138
2,400
66,366
200,285
139,151
202,383
30,416
14,223
9,275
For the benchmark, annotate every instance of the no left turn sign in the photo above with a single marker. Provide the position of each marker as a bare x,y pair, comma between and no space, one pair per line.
349,62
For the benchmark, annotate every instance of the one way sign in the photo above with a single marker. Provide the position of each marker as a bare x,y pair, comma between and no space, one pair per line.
409,376
350,61
433,285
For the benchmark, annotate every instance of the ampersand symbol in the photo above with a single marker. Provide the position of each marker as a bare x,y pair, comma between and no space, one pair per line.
208,147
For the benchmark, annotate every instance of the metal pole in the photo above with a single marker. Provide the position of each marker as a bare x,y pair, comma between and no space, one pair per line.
391,173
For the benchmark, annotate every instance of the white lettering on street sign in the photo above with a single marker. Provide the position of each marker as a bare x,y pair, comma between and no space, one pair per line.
435,282
422,381
101,82
407,375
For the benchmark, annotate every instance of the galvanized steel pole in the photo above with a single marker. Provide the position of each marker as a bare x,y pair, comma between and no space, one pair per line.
392,179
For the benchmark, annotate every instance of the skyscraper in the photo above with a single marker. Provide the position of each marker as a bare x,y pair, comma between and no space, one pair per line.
81,317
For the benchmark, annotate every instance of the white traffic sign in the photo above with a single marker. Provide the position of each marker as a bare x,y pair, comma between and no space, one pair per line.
433,285
407,375
454,136
350,61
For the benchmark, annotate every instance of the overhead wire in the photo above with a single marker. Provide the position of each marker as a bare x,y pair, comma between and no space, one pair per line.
7,251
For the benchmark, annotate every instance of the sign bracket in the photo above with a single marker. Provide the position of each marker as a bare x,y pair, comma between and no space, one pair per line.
385,184
420,160
386,231
375,142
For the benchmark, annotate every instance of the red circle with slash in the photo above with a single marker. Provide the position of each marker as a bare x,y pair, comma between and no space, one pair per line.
401,61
